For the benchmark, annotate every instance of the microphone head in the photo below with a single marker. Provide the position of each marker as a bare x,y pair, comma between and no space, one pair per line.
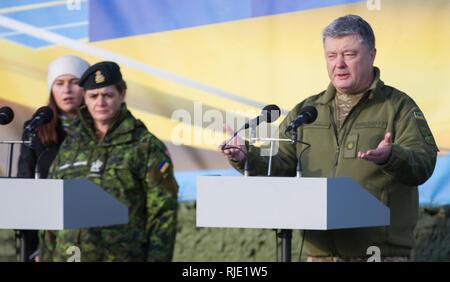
6,115
310,114
45,113
270,113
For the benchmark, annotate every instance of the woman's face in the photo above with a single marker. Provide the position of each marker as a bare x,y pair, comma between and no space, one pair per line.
104,103
67,94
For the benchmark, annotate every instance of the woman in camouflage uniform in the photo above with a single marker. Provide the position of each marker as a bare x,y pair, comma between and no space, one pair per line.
114,150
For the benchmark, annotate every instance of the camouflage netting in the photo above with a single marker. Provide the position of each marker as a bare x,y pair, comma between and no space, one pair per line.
221,244
218,244
7,245
433,235
224,244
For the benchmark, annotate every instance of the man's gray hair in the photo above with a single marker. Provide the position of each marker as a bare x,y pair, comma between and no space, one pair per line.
351,25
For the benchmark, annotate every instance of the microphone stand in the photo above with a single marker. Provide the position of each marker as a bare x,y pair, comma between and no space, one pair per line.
284,234
298,170
11,153
25,252
287,234
252,129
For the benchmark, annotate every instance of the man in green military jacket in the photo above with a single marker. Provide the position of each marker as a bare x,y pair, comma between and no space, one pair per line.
114,150
365,129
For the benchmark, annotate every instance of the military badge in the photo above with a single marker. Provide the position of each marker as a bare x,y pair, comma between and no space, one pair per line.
350,145
99,77
96,166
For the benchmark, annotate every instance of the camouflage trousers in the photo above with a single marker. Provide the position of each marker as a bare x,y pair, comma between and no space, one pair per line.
357,259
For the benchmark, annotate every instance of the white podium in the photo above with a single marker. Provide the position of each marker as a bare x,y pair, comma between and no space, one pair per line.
287,203
49,204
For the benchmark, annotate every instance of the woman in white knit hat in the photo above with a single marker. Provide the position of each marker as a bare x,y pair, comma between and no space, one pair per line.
65,97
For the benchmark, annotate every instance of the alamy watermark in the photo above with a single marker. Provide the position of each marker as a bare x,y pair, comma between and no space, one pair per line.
202,127
375,253
373,5
73,5
74,254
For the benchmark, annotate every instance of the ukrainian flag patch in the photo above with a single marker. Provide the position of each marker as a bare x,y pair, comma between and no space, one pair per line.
163,166
419,115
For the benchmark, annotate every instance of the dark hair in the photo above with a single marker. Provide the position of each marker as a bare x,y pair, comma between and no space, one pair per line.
121,86
351,25
47,132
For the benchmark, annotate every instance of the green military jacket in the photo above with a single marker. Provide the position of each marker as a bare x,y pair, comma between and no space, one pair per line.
132,165
333,153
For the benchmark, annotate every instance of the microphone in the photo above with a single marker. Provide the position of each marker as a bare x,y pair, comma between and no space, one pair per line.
42,116
265,116
307,115
268,114
6,115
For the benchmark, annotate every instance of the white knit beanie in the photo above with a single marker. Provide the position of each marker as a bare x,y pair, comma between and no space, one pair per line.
66,65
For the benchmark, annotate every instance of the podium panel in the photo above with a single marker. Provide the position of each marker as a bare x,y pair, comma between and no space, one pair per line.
49,204
287,203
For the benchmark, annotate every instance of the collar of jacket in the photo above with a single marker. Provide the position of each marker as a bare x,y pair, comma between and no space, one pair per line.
119,132
374,88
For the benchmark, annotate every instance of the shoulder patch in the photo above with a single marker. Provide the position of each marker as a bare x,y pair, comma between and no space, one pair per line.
163,166
424,129
419,116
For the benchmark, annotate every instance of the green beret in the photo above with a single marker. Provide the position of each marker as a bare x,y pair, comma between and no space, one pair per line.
100,75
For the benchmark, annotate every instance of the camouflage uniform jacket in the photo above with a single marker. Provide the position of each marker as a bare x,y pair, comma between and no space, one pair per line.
133,166
333,153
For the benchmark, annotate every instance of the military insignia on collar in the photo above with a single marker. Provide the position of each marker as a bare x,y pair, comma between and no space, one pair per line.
96,166
99,77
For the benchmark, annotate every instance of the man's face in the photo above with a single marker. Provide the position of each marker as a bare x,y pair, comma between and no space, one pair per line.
104,103
349,63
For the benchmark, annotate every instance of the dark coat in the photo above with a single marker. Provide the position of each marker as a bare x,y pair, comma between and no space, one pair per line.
29,156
